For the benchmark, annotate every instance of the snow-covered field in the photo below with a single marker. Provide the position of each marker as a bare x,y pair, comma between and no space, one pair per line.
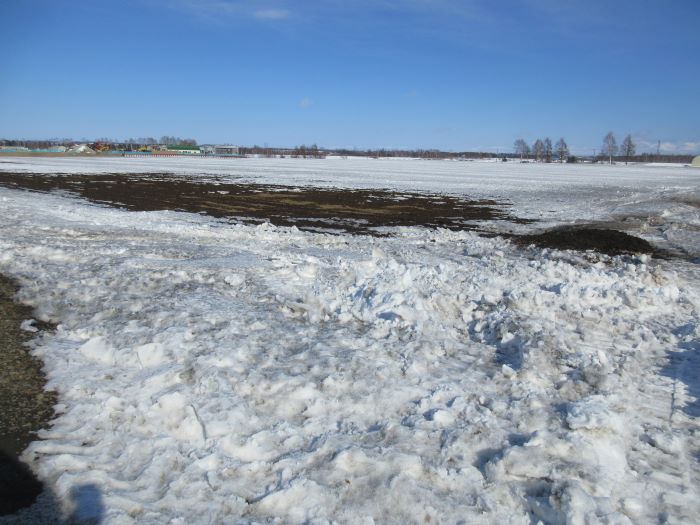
211,372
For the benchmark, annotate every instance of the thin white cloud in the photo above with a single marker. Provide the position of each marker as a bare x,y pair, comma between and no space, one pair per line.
271,14
206,7
214,9
691,147
681,147
306,103
669,147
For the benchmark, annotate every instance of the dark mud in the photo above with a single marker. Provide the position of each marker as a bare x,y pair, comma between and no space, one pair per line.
351,211
25,407
610,242
19,487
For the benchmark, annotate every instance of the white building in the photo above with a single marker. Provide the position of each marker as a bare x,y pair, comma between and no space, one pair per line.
222,149
226,150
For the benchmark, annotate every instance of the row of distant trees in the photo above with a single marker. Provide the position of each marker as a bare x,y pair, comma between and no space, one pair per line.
315,151
411,153
543,151
312,151
166,140
302,151
610,148
140,141
37,144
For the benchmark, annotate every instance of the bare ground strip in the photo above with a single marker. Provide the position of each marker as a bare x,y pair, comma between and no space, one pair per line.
25,405
354,211
358,211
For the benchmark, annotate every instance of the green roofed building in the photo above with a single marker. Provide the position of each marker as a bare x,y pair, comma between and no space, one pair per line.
696,162
184,150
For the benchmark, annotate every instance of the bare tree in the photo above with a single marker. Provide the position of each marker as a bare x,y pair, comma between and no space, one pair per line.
521,148
562,149
628,148
609,146
547,150
538,150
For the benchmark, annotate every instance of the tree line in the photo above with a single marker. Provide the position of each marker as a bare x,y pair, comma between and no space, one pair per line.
302,151
610,148
165,140
543,151
37,144
140,141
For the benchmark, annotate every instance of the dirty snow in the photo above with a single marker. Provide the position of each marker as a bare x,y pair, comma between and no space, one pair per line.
215,372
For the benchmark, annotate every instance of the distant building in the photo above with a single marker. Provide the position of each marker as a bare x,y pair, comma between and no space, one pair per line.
184,150
696,162
224,149
206,150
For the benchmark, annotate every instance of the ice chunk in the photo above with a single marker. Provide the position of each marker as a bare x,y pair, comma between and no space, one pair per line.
98,350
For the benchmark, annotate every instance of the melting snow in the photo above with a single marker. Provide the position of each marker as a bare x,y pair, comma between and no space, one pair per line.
210,372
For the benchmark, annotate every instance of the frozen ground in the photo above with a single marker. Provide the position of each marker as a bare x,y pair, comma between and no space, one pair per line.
210,372
656,201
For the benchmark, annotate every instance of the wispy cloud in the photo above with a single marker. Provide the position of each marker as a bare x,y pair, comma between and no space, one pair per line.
680,147
271,14
214,9
691,147
205,7
306,103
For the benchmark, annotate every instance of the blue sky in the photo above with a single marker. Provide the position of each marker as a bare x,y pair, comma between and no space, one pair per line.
454,75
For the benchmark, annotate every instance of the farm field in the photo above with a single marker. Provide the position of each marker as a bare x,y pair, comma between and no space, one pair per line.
300,341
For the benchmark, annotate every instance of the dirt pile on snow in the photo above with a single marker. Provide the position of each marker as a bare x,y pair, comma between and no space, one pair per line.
611,242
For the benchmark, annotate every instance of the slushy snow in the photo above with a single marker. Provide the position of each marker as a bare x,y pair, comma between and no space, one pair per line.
214,372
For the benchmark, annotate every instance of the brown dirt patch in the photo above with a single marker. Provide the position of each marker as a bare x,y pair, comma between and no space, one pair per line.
611,242
355,211
342,210
25,407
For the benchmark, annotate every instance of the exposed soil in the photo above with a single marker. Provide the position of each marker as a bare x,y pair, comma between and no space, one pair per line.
19,487
25,407
611,242
342,210
354,211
